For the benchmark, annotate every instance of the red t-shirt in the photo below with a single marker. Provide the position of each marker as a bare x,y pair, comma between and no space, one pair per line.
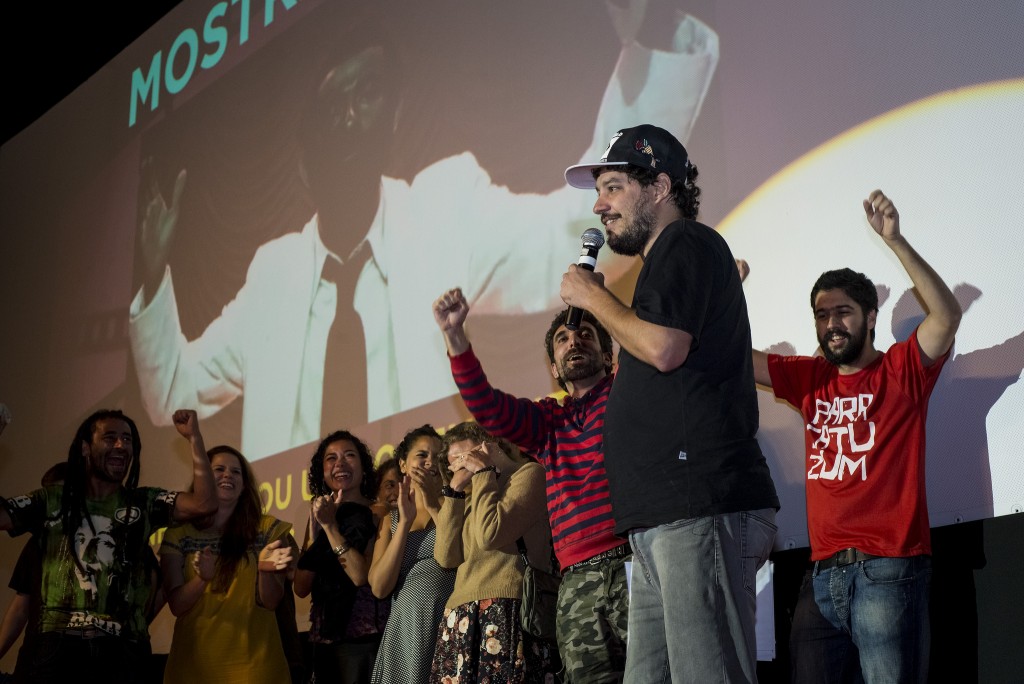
865,446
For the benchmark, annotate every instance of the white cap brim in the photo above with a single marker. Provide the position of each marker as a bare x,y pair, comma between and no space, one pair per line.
581,176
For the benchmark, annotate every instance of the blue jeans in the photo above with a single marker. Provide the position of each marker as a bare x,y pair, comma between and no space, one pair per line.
693,597
867,621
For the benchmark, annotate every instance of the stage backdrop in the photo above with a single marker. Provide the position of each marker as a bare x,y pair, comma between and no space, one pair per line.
165,226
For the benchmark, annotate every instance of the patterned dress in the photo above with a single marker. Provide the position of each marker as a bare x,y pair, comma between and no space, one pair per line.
417,605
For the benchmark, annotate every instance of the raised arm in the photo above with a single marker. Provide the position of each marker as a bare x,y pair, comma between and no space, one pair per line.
389,549
659,45
450,311
157,227
202,500
760,358
936,332
518,420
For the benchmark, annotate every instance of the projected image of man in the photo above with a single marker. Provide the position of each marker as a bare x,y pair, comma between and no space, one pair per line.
358,277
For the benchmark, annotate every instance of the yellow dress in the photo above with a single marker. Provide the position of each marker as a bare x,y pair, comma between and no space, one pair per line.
225,637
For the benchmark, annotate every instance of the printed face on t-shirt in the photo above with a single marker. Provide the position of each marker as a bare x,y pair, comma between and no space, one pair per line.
96,549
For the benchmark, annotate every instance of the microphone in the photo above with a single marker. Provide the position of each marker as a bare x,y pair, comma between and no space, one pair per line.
593,240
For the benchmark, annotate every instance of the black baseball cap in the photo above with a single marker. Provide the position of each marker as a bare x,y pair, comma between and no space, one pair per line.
646,146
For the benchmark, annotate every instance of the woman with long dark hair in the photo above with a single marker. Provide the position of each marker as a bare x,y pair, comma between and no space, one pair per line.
223,578
404,567
345,621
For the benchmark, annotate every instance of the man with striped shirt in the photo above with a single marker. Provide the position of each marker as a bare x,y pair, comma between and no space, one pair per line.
566,437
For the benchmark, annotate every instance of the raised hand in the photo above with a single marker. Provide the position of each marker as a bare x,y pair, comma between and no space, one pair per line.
186,422
744,268
627,17
461,477
427,484
578,284
157,223
406,501
882,215
450,309
326,507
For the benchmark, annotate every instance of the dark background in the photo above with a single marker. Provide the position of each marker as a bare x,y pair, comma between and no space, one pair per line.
79,38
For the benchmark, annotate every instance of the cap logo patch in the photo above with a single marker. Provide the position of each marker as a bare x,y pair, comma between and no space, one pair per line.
608,150
644,147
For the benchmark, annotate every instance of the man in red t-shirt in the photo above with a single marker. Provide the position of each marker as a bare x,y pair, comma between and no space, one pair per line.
863,605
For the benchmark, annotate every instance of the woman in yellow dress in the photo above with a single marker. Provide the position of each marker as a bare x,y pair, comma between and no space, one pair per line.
223,578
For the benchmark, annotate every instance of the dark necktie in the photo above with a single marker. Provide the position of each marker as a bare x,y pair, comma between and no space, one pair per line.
344,392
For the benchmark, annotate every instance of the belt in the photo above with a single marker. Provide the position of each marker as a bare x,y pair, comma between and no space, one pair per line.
618,552
844,557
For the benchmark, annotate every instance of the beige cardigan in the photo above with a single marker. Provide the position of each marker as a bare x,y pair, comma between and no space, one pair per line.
478,534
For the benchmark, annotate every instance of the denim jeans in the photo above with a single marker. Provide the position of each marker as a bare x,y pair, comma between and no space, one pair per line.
693,598
867,621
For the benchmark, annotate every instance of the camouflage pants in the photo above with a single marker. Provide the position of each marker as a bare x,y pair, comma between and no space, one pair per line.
593,605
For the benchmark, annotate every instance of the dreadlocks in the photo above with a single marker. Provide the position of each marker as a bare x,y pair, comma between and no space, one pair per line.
73,508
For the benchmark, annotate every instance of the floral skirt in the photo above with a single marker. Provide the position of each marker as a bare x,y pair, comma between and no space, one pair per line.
482,643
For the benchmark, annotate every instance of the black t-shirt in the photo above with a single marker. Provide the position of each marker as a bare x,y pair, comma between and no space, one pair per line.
682,444
333,592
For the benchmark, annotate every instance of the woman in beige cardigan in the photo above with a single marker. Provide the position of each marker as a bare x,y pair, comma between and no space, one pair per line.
494,497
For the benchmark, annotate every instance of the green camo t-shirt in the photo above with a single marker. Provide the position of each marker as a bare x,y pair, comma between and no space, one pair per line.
110,585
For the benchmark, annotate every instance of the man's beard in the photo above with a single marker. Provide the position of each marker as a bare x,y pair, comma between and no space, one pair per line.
850,352
592,367
636,231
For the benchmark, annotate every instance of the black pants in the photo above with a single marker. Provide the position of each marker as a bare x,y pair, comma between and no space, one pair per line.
345,662
61,658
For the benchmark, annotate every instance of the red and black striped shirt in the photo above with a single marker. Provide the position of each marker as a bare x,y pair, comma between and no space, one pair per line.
566,438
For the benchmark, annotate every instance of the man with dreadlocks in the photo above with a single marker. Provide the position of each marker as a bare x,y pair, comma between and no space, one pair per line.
94,530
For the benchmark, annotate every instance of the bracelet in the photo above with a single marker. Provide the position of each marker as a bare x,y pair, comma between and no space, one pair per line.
451,493
488,469
340,549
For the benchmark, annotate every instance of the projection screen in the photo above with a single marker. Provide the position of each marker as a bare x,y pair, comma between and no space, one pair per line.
164,225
